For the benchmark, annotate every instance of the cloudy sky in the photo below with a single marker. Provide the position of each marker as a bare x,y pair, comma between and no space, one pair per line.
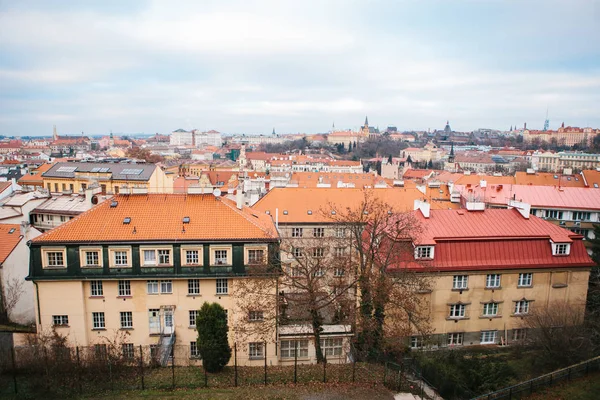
248,66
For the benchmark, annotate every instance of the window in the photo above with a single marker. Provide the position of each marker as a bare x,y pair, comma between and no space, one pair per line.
98,320
100,351
124,288
460,282
126,320
455,339
318,252
92,258
297,232
295,272
457,311
255,316
153,351
193,316
519,334
522,307
96,288
492,281
490,309
55,259
416,342
63,218
166,287
424,252
120,258
488,337
194,351
288,348
554,214
152,287
149,257
525,280
192,257
340,232
58,320
562,249
256,256
318,272
222,286
338,272
331,347
340,251
297,252
164,257
193,286
318,232
582,216
220,257
256,350
128,350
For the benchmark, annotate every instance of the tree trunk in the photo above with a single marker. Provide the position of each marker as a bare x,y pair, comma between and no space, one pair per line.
317,323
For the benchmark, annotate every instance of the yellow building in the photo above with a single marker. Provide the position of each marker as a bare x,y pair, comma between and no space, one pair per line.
142,265
112,178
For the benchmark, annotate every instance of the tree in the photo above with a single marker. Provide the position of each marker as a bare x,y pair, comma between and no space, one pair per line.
211,324
145,154
11,290
593,297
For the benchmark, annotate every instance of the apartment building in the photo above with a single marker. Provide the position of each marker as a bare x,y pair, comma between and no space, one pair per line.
491,269
144,264
564,136
558,162
112,178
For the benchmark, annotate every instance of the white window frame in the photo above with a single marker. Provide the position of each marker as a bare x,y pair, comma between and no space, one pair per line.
297,252
339,272
96,288
193,287
166,286
193,314
128,350
112,253
522,307
297,232
424,252
493,281
98,320
124,288
416,342
519,334
184,259
157,256
460,282
318,232
561,249
287,348
458,310
582,216
490,309
456,339
228,258
256,316
222,286
256,350
488,337
46,251
250,248
340,252
340,233
83,260
318,252
194,351
525,279
152,286
126,319
60,320
332,347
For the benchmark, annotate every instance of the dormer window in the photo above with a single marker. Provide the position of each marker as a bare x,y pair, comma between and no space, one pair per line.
424,252
561,249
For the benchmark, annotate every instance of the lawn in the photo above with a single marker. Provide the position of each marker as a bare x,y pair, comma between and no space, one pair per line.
586,388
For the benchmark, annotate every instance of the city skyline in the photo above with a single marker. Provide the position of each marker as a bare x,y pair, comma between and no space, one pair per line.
250,66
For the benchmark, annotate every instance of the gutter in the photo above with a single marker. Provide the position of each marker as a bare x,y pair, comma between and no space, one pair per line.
37,298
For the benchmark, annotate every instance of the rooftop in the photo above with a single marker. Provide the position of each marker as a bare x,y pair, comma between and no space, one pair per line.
155,217
10,236
134,172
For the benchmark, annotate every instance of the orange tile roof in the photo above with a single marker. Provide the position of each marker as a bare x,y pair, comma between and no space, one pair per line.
416,173
592,178
29,179
4,186
311,179
156,217
548,179
295,203
490,179
8,241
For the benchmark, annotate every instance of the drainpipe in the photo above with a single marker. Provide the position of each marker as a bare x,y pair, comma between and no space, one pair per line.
37,298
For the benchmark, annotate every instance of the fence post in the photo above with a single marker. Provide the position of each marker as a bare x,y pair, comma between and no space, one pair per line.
265,363
173,366
78,369
14,368
324,369
235,363
296,363
142,366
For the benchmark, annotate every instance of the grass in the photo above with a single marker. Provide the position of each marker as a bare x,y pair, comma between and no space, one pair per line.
586,388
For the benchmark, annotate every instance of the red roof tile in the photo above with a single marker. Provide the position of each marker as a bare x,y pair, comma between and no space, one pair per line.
8,241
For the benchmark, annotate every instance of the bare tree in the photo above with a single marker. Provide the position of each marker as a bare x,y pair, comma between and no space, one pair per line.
11,291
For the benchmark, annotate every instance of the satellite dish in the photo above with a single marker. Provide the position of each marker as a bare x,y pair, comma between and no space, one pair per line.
217,193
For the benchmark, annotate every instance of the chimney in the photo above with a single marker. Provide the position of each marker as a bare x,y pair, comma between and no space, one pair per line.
422,206
24,230
239,198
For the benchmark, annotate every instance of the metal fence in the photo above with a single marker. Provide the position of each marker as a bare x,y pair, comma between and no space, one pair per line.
531,386
42,370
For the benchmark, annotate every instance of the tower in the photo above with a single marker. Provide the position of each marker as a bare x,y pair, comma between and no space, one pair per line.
54,134
273,132
546,122
451,156
447,128
366,121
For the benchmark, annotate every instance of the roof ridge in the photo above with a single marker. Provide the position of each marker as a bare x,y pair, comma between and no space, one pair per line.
246,216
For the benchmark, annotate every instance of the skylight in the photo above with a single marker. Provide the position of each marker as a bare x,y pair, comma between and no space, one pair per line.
186,220
132,171
126,220
66,169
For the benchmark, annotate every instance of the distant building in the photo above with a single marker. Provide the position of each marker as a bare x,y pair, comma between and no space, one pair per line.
564,136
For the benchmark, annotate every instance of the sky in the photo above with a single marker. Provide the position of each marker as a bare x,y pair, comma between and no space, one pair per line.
245,66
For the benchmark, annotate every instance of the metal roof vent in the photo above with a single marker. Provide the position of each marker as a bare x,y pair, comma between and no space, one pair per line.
309,212
285,212
186,220
126,220
113,204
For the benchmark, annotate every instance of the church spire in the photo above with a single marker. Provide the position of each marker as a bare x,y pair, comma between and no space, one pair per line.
366,120
54,133
273,131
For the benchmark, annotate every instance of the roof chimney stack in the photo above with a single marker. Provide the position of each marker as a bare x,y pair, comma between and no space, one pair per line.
239,198
423,206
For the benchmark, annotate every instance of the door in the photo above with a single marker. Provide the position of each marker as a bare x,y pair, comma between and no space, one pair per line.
168,321
154,321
